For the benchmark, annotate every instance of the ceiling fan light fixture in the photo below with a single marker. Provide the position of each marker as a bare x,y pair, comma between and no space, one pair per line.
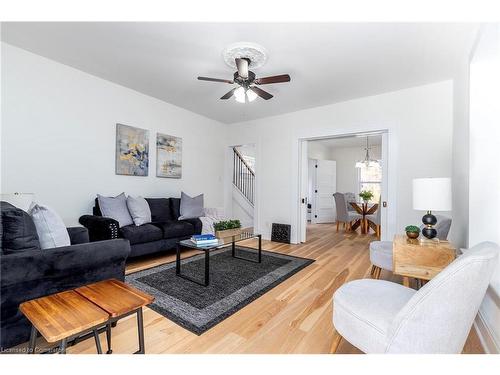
251,96
239,95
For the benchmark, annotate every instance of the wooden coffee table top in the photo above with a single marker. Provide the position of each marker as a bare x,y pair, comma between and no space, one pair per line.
115,297
62,315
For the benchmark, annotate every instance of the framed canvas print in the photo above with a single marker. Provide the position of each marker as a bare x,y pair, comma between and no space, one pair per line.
168,156
132,151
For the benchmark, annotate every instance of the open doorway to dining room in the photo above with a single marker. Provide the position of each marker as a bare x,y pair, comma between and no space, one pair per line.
343,182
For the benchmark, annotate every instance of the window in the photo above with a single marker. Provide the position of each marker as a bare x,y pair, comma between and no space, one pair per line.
370,178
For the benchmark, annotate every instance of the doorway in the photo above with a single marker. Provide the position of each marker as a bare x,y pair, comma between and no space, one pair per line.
336,164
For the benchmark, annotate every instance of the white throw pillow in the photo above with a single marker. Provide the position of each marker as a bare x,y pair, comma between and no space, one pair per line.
139,210
115,208
49,226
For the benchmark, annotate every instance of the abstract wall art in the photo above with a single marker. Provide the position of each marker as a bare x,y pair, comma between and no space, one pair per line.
132,151
168,156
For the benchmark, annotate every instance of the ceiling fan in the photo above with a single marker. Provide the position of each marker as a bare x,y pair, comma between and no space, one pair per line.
246,81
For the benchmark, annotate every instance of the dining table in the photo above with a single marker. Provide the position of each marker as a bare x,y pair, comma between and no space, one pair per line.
363,209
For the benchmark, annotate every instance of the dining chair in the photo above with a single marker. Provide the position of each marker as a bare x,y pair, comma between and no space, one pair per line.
381,251
378,316
344,216
350,197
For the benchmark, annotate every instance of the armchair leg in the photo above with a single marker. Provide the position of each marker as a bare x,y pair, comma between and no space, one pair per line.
335,343
373,269
338,223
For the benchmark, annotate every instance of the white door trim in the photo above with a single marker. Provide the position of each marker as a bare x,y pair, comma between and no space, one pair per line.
389,183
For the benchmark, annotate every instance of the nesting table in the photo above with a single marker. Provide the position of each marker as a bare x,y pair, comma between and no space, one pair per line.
420,260
86,310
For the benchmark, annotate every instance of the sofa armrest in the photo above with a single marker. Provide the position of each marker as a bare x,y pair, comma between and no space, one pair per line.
70,262
196,223
78,235
100,228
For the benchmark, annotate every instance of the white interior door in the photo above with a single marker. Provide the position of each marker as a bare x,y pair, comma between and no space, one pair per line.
326,185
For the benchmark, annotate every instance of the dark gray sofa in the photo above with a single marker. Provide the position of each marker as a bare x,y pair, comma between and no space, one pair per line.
161,234
31,273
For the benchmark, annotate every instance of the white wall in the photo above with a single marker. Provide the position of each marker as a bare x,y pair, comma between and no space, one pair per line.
317,150
484,179
419,121
346,158
58,137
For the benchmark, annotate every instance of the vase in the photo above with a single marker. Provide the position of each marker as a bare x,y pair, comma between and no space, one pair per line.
412,235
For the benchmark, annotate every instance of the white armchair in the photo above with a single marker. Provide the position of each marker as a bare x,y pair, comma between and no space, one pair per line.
378,316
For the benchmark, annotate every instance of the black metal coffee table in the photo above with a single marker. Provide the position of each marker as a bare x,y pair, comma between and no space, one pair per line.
223,242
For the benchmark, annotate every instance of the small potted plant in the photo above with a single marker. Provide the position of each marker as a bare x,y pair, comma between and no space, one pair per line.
366,195
227,228
412,231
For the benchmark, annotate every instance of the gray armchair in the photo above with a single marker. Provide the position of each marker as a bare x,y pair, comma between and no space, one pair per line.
378,316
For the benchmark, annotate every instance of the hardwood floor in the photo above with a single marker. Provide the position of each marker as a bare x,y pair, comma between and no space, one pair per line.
294,317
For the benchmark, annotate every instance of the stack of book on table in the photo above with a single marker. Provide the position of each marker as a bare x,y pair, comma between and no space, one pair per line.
204,239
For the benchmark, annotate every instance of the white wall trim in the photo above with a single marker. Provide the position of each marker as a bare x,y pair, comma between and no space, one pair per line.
485,335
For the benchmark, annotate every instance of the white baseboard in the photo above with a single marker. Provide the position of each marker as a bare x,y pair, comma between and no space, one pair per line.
485,335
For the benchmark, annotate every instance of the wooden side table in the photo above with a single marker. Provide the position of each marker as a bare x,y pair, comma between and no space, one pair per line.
118,300
421,261
62,316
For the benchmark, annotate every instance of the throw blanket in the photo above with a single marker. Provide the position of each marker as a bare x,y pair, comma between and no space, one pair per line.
211,216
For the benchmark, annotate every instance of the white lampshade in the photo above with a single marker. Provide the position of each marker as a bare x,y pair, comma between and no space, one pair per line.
19,200
432,194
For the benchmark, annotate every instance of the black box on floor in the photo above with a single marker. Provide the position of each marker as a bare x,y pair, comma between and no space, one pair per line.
281,233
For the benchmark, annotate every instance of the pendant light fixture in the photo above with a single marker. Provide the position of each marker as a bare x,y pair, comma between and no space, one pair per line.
367,162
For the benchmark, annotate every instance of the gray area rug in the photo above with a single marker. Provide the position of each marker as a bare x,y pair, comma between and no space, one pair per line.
234,283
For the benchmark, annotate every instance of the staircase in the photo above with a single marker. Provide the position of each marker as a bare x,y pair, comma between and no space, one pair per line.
244,176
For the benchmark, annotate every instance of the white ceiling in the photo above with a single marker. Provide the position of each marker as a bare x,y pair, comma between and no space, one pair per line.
327,63
350,141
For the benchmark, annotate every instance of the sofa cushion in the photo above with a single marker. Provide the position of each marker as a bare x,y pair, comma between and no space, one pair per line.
160,210
50,228
115,208
174,229
140,234
18,230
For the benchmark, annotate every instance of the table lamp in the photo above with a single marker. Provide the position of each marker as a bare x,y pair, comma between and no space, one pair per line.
431,194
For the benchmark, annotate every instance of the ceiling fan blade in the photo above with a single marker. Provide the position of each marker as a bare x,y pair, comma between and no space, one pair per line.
263,94
215,80
229,94
242,65
272,79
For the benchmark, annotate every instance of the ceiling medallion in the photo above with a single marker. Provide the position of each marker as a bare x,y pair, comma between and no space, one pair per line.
256,53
